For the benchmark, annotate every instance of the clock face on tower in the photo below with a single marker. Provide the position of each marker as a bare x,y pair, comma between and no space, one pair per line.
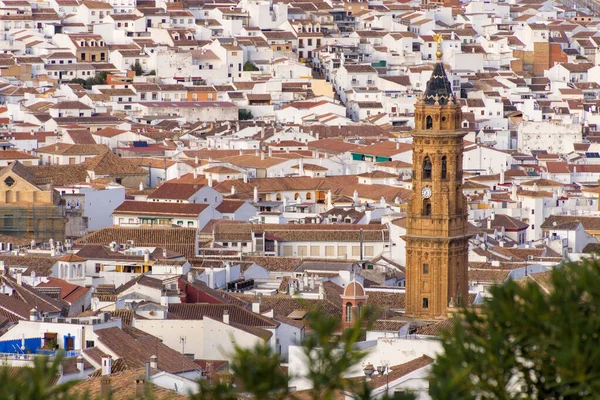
426,192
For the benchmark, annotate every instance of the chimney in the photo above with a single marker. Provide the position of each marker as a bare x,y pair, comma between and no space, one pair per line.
33,314
241,152
355,197
397,145
301,167
226,317
80,363
262,156
255,194
256,306
245,176
154,362
19,277
106,365
210,180
147,370
105,388
141,186
140,388
256,152
232,189
164,298
382,202
270,151
329,199
196,159
195,174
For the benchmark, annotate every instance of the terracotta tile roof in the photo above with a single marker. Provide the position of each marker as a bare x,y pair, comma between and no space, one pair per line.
122,386
73,149
142,280
180,240
229,206
384,149
359,68
81,136
42,266
302,232
175,191
398,371
68,291
284,305
32,297
14,309
488,275
109,164
59,174
436,328
589,223
152,208
508,223
238,316
135,352
16,155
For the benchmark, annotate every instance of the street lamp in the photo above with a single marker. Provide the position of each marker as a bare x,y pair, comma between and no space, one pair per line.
369,370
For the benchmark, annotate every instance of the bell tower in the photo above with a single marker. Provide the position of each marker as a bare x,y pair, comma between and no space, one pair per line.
437,241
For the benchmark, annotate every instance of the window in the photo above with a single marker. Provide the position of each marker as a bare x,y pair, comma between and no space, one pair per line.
444,167
360,307
308,196
98,267
429,122
425,269
426,208
427,167
532,211
278,197
348,312
425,302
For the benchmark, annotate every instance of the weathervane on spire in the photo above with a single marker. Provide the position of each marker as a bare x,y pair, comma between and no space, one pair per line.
438,39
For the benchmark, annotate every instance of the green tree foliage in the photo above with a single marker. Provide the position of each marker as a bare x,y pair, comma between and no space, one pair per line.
244,115
250,67
35,383
78,81
330,353
137,67
540,343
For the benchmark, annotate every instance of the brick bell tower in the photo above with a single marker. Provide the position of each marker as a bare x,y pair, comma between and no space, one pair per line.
437,241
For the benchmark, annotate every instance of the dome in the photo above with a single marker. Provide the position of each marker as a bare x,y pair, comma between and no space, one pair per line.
354,289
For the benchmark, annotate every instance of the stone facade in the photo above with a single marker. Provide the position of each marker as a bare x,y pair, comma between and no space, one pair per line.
437,238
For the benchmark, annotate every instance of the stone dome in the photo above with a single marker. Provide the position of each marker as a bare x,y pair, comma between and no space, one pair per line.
354,289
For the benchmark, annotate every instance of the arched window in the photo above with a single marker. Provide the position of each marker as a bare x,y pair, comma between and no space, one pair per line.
308,196
296,196
348,312
427,168
444,167
429,122
360,307
278,197
426,208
